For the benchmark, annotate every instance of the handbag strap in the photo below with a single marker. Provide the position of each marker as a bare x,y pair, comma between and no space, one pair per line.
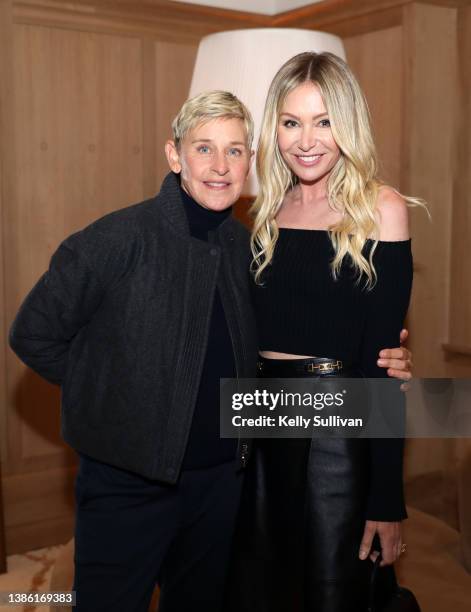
374,573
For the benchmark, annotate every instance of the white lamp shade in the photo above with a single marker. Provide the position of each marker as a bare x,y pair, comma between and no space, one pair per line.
244,62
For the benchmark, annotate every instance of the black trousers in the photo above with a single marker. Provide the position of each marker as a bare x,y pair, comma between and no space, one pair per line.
132,533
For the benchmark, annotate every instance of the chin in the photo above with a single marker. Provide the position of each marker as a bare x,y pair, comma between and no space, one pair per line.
312,176
223,203
219,206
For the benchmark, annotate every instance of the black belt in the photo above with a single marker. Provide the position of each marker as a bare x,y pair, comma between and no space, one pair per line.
314,366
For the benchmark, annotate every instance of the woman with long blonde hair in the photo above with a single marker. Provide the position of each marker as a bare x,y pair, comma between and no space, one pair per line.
332,270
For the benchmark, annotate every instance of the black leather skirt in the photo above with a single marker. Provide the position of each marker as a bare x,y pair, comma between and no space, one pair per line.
301,519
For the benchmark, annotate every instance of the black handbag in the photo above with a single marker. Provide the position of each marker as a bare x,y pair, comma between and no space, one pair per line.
386,595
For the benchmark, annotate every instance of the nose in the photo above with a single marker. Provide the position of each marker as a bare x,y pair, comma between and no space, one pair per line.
308,139
220,164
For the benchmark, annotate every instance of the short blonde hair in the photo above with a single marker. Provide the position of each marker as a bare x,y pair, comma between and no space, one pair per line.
204,107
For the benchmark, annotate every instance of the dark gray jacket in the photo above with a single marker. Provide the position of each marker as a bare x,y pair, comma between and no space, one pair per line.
120,320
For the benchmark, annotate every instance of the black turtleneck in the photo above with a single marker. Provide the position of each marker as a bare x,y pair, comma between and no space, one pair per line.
202,220
205,446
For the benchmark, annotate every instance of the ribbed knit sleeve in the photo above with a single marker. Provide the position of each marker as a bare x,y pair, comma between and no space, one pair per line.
387,305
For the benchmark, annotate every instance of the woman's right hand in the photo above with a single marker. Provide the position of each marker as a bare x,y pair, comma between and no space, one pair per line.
390,537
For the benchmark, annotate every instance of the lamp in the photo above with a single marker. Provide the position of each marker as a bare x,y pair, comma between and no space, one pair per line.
245,61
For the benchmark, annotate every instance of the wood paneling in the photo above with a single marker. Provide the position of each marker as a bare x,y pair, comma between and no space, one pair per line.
429,88
173,69
460,295
23,491
3,548
372,56
7,194
345,19
375,14
174,21
6,155
149,105
170,21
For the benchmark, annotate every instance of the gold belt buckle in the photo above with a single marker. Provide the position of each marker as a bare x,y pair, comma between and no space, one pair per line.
324,367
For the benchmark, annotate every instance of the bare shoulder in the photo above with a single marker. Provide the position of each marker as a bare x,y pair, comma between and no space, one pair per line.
393,215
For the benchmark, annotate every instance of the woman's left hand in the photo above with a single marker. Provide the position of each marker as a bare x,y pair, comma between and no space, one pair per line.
390,537
398,361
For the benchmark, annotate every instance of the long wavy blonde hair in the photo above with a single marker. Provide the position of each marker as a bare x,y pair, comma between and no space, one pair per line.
352,186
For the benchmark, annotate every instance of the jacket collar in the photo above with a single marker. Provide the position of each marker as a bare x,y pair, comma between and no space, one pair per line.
169,202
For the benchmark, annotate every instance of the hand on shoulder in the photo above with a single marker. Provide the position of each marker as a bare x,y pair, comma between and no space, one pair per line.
393,215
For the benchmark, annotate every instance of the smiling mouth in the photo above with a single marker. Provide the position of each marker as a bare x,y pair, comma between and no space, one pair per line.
216,185
309,159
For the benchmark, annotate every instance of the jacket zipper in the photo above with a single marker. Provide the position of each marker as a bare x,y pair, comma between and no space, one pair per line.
242,445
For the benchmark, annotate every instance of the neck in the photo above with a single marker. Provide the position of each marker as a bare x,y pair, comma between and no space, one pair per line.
311,194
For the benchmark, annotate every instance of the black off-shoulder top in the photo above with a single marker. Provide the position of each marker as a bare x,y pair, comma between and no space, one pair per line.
302,310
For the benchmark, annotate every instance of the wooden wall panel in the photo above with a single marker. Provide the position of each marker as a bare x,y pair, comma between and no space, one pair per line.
460,295
352,17
430,90
372,56
39,508
7,194
3,545
343,17
155,19
173,70
7,149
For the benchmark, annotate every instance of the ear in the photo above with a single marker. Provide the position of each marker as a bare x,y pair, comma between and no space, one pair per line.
173,157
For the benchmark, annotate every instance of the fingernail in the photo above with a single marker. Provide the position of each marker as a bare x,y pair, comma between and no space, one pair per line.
362,554
381,362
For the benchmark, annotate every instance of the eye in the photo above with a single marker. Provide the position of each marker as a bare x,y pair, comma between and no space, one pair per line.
235,152
324,122
203,149
290,123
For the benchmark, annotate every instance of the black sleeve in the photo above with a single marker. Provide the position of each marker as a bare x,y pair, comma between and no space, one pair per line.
59,305
387,307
